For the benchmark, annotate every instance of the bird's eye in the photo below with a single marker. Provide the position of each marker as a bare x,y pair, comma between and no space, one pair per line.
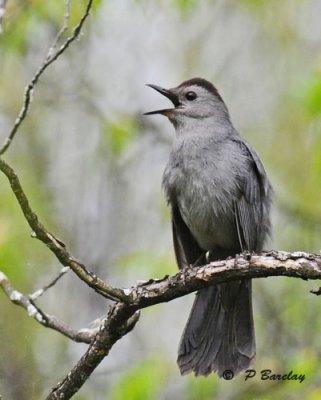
190,96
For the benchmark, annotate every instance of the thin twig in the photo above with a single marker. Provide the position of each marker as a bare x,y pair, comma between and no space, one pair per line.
40,292
61,31
48,61
48,321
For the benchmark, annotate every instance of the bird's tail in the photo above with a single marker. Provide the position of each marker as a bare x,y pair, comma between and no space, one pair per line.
219,335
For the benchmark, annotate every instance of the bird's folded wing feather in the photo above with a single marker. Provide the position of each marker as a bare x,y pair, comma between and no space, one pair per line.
186,248
252,207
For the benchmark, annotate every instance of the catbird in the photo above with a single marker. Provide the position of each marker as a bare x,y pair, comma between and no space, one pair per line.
220,199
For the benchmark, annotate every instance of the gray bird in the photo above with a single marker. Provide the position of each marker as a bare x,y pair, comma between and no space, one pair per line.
220,199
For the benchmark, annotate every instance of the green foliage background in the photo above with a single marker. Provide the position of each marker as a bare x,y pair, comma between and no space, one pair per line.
92,166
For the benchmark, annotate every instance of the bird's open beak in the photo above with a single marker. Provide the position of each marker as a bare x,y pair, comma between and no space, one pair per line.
167,93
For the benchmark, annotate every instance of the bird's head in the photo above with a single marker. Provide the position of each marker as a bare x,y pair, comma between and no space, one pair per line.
195,98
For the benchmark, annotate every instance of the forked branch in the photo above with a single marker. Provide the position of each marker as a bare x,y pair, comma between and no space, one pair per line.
123,317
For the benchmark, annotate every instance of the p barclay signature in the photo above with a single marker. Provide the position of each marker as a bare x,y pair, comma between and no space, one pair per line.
267,374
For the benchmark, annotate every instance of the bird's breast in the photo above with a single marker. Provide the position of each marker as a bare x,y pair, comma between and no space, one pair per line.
195,180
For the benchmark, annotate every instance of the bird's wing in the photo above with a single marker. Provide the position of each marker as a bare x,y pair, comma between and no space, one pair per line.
252,207
186,248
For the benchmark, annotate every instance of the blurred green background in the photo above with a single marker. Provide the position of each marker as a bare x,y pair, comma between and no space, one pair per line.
92,166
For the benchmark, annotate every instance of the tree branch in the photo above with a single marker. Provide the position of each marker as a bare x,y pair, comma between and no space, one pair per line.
41,291
62,29
246,266
48,321
52,55
123,317
54,244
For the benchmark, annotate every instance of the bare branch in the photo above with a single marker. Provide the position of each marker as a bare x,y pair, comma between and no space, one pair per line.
54,244
39,230
50,58
123,317
120,320
61,31
41,291
246,266
48,321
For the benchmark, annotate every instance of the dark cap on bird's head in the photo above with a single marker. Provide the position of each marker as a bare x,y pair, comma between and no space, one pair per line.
202,83
194,98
